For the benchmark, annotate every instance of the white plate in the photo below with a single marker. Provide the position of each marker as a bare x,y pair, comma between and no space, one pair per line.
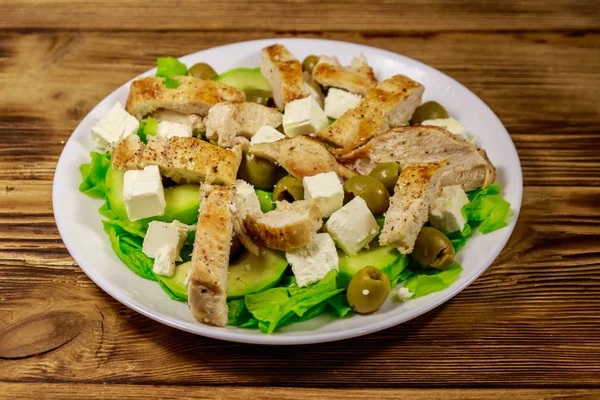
79,223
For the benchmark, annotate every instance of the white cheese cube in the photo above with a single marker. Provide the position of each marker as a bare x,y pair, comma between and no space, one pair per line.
326,190
303,117
114,126
450,124
338,102
266,134
143,193
163,242
446,213
312,262
352,226
245,200
171,129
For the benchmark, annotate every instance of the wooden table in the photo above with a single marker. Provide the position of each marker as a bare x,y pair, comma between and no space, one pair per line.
528,328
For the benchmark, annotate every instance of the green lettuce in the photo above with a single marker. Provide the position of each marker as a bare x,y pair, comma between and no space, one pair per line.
426,281
168,68
93,175
459,238
280,306
487,210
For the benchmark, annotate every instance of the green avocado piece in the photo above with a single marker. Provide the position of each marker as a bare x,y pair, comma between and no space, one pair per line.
250,273
385,258
182,201
245,79
176,282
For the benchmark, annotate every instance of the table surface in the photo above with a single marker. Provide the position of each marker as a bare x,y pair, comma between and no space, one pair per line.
528,328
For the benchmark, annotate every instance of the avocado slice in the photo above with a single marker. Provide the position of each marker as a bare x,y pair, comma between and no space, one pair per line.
182,201
249,274
176,282
385,258
245,79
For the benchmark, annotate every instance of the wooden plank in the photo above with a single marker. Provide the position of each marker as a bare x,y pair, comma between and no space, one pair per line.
308,15
61,391
543,87
530,321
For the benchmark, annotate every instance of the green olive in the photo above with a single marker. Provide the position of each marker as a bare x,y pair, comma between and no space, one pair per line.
371,190
258,96
202,71
309,63
433,249
387,174
429,110
288,188
368,290
258,172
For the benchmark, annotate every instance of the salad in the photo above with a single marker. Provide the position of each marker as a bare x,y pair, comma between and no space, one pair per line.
267,196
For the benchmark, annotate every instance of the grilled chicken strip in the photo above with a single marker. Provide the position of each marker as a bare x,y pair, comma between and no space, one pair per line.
301,156
284,74
391,104
416,190
226,121
288,227
467,164
192,96
357,78
207,287
183,159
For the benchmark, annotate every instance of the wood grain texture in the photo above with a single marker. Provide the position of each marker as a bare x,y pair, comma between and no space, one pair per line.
529,328
306,15
50,391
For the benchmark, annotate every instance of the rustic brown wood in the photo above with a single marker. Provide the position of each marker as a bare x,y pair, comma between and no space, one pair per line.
39,334
15,391
528,328
308,15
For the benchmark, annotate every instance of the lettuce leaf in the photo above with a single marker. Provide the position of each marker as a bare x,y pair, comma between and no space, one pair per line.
278,306
93,175
169,67
427,281
339,304
487,210
129,249
459,238
266,200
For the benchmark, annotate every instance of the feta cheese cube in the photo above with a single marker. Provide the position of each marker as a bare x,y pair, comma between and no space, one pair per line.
171,129
312,262
163,242
114,126
339,101
143,193
303,117
401,294
352,226
450,124
326,190
245,200
266,134
446,213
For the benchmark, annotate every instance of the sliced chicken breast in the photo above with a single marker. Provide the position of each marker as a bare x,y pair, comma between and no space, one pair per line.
416,190
284,74
192,96
183,159
467,164
301,156
357,78
289,226
207,287
389,105
226,121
